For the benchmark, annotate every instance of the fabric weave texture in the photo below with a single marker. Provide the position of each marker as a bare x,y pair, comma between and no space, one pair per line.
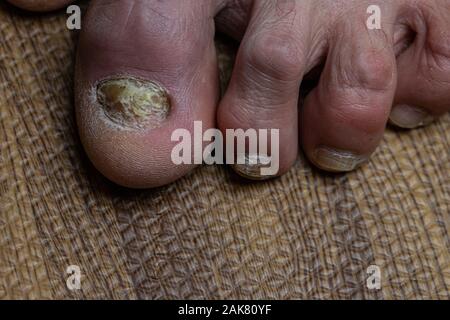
210,235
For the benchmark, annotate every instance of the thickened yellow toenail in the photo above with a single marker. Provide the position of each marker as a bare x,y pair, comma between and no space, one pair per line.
133,103
251,169
336,160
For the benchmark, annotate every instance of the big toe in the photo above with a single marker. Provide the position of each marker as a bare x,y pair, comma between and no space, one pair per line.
144,69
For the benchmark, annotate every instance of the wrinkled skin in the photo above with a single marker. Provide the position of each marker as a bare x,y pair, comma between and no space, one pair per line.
401,73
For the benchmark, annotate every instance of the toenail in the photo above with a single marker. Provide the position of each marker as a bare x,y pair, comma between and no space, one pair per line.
336,160
251,169
409,117
133,103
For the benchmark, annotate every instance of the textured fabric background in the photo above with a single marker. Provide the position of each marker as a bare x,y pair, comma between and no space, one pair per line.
210,235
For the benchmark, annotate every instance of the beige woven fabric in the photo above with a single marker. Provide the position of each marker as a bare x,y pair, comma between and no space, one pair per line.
209,235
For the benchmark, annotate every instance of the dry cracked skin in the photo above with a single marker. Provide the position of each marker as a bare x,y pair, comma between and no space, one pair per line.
133,103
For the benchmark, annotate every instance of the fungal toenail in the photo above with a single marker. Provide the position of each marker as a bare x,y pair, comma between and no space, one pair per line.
133,103
251,168
336,160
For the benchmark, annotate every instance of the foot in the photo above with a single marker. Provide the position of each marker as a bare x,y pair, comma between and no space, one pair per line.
147,68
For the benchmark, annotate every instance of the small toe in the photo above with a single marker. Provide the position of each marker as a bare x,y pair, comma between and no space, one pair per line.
423,92
344,117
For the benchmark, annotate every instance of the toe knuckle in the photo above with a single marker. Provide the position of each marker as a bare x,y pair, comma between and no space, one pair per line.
372,70
277,55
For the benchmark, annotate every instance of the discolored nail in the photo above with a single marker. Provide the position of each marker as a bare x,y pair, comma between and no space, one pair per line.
409,117
133,103
250,167
333,160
